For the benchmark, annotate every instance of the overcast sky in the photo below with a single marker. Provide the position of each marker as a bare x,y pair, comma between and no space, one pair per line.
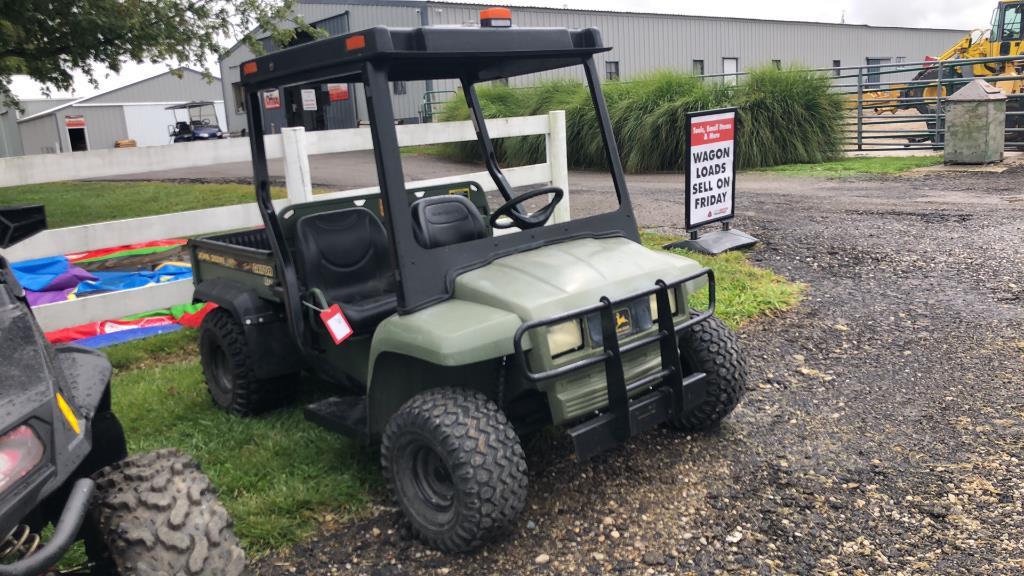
956,14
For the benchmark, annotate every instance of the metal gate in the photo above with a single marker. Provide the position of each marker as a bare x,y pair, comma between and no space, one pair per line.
901,106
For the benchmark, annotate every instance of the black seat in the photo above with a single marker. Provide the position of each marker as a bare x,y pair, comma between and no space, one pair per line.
344,254
446,220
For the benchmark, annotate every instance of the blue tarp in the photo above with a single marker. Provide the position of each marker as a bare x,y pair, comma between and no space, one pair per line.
114,281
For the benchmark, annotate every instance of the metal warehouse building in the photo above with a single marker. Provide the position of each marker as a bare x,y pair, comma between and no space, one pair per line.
642,43
137,112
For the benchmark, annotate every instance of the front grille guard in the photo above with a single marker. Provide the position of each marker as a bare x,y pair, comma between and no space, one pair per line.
670,374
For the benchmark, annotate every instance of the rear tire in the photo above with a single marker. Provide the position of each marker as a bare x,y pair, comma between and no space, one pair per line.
228,368
157,514
455,467
712,348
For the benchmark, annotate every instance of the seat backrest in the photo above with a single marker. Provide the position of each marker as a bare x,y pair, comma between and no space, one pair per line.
345,254
446,220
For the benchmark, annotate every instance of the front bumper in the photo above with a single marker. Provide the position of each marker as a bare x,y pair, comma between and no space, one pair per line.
640,404
64,535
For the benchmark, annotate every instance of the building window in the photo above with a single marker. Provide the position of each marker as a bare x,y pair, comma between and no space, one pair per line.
777,64
236,89
399,88
611,70
837,68
731,69
875,71
698,67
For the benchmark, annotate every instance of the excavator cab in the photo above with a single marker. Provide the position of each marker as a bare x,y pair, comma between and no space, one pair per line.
1006,29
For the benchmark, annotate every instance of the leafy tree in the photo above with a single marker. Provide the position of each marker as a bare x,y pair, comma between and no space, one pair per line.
49,39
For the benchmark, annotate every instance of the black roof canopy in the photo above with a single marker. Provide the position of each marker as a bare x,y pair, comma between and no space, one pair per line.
480,54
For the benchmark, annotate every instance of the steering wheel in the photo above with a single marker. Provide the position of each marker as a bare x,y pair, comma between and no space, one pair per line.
527,221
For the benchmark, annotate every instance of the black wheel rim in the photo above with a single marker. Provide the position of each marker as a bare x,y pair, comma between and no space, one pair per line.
432,479
222,370
425,484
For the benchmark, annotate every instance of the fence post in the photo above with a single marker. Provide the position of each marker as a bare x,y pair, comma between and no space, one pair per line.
939,138
860,109
558,160
296,165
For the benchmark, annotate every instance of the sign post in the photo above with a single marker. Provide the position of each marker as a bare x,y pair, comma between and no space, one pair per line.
711,182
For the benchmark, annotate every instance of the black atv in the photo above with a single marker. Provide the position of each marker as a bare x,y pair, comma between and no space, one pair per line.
63,461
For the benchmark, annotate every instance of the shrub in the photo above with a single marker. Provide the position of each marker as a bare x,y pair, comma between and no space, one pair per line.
785,117
789,117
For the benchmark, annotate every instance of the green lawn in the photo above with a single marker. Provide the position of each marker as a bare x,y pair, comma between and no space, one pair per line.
76,203
278,474
857,166
744,291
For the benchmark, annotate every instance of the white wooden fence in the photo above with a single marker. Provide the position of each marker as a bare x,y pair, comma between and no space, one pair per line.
294,145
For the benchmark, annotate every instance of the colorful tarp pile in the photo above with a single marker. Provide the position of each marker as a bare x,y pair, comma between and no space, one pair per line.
142,249
55,279
108,332
61,278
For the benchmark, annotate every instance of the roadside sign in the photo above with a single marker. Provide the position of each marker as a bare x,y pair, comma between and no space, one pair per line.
309,100
74,121
710,167
711,183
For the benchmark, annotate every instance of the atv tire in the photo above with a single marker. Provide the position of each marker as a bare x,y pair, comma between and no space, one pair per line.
456,468
228,368
712,348
157,514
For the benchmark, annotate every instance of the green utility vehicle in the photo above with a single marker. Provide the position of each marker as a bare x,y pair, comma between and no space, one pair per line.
463,339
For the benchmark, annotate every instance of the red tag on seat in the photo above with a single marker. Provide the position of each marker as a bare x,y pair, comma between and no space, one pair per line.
336,324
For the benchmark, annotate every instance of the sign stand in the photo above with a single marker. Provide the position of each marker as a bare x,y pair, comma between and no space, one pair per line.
711,182
716,242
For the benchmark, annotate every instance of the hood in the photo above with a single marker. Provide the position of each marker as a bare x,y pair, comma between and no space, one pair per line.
556,279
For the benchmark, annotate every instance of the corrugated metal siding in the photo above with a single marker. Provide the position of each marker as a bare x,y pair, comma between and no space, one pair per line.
40,136
36,106
10,139
335,25
642,42
163,88
103,125
407,106
647,42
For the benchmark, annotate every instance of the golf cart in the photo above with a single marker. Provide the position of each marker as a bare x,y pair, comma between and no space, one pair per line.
453,328
63,461
194,121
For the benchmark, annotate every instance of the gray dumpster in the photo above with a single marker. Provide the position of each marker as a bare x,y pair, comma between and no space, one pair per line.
975,124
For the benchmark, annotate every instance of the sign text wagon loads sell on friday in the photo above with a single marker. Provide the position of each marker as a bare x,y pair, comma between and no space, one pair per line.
711,168
710,194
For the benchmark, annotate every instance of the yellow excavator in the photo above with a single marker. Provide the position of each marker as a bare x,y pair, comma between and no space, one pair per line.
1004,38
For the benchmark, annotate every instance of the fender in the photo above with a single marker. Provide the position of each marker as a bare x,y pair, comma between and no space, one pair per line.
244,303
273,350
455,343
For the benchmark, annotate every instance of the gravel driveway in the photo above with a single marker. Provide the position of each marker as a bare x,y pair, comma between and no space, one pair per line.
882,432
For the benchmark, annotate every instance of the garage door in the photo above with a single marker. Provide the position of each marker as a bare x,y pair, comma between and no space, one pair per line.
147,124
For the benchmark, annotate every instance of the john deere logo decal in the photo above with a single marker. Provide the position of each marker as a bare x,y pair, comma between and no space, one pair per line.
623,323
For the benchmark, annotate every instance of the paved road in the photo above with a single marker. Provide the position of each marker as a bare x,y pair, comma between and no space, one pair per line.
882,431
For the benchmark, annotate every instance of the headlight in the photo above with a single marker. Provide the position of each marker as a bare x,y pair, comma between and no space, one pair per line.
20,452
565,337
671,304
203,135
